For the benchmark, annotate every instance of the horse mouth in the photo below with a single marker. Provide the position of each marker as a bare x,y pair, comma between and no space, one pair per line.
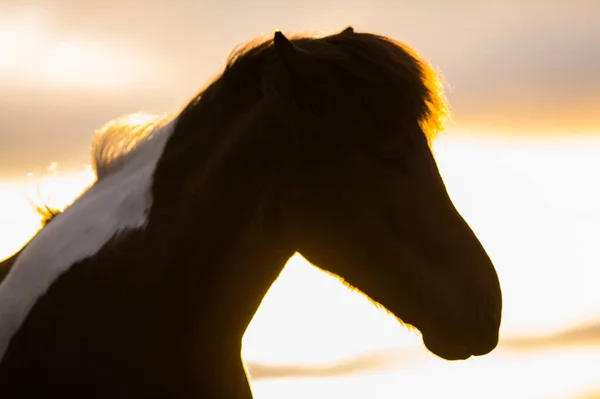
459,349
447,352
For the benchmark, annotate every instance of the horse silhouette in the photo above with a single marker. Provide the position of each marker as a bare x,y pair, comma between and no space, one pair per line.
145,285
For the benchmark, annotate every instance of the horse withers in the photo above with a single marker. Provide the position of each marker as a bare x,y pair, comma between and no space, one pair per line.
145,285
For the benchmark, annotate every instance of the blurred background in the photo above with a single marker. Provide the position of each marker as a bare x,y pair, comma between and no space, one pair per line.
521,162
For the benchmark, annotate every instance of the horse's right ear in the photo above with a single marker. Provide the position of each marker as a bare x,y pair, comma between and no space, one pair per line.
286,51
347,31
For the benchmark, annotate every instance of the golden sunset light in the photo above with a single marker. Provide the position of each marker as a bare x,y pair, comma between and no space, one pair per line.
521,162
18,218
34,52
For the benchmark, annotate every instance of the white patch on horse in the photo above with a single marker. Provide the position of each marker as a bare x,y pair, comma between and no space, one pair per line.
120,199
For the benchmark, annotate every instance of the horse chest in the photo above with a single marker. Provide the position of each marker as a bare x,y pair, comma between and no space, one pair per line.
105,329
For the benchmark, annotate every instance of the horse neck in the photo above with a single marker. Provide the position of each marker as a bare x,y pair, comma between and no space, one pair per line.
226,256
211,200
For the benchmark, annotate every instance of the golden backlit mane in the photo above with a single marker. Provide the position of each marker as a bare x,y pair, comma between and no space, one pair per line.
117,139
46,212
411,67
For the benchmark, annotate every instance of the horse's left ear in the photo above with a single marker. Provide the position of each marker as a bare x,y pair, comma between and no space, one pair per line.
348,30
286,51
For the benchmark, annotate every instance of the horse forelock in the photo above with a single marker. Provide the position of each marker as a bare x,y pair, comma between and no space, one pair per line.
118,139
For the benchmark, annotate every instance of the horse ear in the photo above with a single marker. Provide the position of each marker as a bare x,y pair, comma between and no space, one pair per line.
348,30
285,49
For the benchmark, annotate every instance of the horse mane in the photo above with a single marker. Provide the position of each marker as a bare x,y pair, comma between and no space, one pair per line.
413,89
47,213
417,88
115,141
43,208
111,146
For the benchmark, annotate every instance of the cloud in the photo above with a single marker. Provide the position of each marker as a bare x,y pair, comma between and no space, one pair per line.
393,358
589,395
381,360
587,334
546,79
35,52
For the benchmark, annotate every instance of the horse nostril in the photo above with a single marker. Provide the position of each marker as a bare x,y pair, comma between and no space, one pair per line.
487,335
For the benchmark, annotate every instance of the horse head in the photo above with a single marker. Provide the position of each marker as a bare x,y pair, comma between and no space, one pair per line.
340,129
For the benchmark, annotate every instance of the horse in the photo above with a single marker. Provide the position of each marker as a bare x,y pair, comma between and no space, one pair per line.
144,286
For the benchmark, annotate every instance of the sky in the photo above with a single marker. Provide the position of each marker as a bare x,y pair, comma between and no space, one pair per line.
519,161
511,66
